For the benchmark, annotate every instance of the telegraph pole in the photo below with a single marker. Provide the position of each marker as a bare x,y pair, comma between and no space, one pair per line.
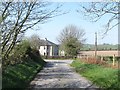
96,45
46,48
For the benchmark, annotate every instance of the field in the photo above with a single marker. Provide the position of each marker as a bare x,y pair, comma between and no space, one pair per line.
103,77
101,53
87,47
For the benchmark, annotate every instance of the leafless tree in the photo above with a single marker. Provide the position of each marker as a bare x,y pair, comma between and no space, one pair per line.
17,17
71,31
34,41
71,39
96,10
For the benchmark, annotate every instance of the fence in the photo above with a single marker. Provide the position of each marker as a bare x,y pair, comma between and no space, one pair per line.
101,60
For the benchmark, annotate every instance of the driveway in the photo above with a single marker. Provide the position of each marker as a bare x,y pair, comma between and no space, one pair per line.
59,74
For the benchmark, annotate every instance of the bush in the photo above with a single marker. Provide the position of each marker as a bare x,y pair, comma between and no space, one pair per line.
21,67
18,54
19,75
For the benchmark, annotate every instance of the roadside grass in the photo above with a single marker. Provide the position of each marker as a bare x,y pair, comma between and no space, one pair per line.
19,76
103,77
59,59
21,66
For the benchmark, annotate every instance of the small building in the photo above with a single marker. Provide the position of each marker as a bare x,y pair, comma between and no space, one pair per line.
61,52
48,48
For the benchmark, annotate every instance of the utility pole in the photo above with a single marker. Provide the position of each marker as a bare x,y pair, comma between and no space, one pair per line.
96,45
46,47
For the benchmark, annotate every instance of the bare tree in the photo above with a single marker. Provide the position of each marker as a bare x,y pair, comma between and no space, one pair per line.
34,41
17,17
96,10
71,39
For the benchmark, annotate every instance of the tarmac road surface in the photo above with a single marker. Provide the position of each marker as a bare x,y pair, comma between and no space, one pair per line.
59,74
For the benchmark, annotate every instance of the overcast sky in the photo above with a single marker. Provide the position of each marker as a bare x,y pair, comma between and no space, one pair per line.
52,28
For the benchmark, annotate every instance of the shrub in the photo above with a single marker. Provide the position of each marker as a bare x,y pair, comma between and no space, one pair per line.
18,54
22,65
18,76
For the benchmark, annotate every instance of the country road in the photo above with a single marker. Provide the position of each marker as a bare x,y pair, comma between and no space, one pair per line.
59,74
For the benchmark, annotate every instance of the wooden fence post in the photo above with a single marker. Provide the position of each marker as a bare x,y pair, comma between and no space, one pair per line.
87,58
101,58
113,59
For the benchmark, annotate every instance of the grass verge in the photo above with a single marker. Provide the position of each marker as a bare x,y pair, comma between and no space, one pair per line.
19,76
106,78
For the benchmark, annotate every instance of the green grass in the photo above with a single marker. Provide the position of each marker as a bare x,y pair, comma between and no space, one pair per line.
59,59
103,77
19,75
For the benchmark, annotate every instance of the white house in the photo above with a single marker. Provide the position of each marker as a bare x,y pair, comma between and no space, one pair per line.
48,48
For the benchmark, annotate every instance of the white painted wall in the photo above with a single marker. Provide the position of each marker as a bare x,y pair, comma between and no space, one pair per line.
42,50
52,50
